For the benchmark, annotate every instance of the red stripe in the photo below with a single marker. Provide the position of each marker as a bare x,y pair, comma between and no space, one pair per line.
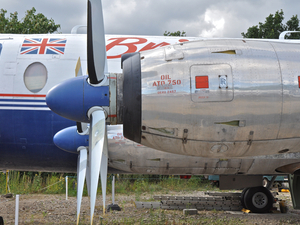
54,49
112,115
39,45
29,50
43,46
20,95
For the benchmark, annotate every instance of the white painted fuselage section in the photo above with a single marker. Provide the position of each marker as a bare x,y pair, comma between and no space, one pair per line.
60,57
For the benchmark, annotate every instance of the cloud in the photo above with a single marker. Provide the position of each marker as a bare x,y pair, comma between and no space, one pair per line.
216,21
216,18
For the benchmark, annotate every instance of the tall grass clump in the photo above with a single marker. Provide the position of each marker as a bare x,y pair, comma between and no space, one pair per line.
54,184
30,183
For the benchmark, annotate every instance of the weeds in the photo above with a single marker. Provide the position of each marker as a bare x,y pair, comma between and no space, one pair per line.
54,183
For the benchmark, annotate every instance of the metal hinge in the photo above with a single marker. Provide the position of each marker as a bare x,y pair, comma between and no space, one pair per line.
185,134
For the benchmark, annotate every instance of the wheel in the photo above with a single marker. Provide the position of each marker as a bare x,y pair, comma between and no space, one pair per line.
1,220
258,199
243,197
265,182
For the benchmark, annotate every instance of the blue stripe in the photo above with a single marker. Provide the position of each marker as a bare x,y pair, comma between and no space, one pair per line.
14,105
21,100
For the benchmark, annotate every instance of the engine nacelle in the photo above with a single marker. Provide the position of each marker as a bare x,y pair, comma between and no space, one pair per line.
214,98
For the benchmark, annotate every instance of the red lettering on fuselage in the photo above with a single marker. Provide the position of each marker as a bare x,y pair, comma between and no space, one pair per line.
152,45
133,44
121,42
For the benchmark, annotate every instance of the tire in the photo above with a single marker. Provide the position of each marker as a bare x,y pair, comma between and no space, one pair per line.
1,220
243,197
258,199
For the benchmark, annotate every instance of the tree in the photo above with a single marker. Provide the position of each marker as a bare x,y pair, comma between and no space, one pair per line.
293,25
273,26
31,24
177,33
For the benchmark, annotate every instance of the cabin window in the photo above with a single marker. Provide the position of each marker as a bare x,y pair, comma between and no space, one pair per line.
35,77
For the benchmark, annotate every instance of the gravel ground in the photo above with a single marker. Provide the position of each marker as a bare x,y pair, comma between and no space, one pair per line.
55,209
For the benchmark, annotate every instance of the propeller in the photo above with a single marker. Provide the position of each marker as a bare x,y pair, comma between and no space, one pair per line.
97,64
98,158
81,99
81,174
97,148
95,42
78,68
90,160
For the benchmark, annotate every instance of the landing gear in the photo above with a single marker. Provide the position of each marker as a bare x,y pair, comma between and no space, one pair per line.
257,199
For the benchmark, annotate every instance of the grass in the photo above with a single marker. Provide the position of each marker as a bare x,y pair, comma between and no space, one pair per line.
54,183
136,187
22,183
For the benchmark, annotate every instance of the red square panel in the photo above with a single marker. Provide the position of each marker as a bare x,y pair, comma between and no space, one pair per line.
299,81
201,82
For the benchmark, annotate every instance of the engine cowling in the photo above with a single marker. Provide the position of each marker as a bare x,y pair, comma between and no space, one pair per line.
214,98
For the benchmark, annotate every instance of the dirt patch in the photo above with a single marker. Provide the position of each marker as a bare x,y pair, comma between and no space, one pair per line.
55,209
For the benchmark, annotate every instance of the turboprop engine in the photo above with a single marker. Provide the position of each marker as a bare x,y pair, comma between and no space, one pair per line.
214,98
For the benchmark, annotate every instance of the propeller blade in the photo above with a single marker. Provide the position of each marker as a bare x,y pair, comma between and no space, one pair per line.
81,172
103,171
78,69
88,176
96,48
96,145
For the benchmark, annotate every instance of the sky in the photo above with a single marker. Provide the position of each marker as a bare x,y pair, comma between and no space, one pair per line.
198,18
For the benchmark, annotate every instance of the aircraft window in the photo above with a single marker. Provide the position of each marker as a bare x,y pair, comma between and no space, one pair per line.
35,77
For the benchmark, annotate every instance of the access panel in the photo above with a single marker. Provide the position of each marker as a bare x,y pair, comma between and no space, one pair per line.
211,83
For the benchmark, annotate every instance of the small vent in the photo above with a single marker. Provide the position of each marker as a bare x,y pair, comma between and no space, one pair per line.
156,160
235,123
231,52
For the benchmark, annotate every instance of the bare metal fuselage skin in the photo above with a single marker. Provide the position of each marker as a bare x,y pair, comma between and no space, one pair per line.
249,107
131,157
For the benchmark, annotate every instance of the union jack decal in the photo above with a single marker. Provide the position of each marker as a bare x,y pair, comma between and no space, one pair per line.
43,46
